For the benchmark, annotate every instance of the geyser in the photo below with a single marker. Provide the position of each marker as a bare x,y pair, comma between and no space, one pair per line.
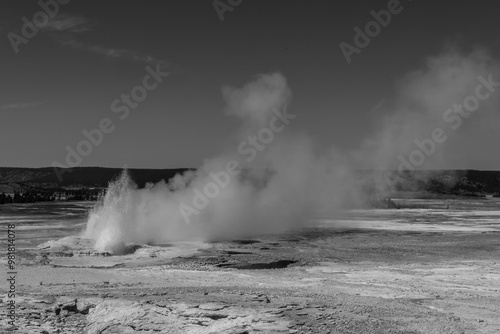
289,179
281,186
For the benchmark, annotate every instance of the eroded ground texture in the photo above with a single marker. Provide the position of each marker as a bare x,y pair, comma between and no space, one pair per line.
408,271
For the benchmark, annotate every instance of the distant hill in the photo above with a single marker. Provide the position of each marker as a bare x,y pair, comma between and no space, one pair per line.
16,179
458,182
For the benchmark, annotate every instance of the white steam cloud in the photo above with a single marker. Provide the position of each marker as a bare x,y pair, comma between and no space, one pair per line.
284,184
423,98
290,179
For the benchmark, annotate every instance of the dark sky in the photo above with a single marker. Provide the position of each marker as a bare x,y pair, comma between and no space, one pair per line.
64,79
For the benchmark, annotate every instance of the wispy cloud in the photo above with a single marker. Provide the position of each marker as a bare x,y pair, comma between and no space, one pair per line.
65,29
67,23
21,105
114,53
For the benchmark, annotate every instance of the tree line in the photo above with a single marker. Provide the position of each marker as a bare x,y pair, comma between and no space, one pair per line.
50,196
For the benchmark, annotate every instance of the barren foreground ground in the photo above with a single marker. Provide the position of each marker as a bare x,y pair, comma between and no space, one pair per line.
434,268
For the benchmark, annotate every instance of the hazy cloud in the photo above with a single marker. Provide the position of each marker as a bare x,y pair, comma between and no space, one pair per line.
67,23
114,53
64,28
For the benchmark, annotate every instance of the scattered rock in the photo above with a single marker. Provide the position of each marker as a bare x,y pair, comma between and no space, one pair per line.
211,307
84,305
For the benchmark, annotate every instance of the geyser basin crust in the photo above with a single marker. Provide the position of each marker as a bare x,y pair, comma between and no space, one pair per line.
373,281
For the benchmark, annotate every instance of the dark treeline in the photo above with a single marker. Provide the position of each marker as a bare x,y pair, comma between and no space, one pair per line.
454,182
49,196
84,177
29,185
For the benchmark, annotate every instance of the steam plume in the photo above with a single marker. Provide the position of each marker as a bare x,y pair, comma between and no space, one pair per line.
284,184
291,179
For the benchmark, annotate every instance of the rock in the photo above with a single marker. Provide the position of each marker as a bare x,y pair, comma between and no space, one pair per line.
118,329
211,307
121,316
42,259
69,305
65,304
83,306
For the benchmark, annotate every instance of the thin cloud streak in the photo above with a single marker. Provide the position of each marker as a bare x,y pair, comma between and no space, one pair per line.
65,28
114,53
67,23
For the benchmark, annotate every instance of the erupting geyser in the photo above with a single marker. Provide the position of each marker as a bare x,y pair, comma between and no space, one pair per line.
276,187
111,224
283,178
